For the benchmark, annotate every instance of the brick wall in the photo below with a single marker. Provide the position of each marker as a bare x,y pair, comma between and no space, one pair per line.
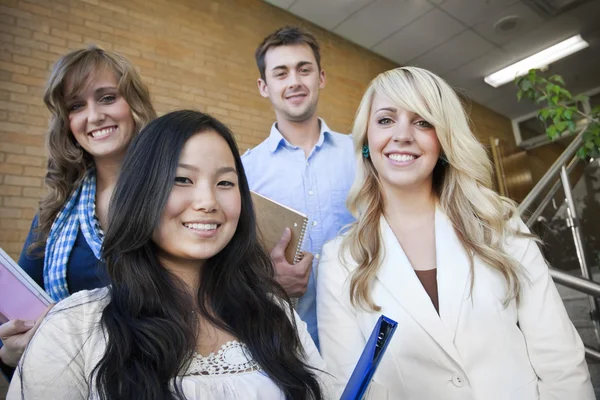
191,53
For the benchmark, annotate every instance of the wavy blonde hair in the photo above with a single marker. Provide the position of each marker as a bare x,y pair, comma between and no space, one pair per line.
68,162
462,187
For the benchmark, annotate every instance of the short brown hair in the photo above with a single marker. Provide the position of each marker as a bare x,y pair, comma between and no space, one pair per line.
286,36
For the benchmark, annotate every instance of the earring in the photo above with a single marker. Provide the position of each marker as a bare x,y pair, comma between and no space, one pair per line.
365,151
444,160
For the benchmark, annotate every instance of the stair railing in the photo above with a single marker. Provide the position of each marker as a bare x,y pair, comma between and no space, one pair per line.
583,285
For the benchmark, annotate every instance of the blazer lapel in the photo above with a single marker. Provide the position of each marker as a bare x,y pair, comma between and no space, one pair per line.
453,275
399,279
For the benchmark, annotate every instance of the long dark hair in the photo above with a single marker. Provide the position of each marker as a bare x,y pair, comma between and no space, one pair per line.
150,331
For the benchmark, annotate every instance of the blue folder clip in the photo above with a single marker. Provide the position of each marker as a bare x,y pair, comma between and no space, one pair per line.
369,360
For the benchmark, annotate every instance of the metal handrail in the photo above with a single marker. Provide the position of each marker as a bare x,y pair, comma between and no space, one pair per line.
553,171
582,285
592,353
550,195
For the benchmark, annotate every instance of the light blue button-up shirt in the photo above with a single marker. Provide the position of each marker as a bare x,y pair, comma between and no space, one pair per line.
317,186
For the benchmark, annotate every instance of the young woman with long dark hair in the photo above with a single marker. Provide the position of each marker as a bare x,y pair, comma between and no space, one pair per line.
193,311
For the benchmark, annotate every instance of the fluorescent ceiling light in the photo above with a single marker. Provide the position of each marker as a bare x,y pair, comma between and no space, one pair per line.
538,60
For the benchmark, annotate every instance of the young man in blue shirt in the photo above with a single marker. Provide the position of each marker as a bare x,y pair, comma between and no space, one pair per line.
302,164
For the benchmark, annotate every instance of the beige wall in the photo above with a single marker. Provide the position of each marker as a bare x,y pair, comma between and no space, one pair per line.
192,53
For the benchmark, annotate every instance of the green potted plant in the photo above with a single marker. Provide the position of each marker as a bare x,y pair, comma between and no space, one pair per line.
561,110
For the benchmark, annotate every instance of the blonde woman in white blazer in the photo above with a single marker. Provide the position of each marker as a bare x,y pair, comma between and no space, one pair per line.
479,317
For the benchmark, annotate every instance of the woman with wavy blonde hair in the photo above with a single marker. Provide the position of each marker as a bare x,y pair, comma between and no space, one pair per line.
436,249
98,103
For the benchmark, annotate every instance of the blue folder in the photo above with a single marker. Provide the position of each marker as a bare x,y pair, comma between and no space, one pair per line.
369,359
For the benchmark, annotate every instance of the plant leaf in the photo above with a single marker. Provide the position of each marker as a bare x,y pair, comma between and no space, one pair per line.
557,79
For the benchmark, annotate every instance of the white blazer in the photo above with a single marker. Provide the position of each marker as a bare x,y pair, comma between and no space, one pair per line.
475,349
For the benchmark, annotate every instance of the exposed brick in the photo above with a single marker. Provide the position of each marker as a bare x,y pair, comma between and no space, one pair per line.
16,180
7,20
99,27
31,140
50,39
35,9
25,99
9,106
35,151
35,171
12,148
27,215
33,25
31,62
10,235
67,35
31,43
84,14
6,190
20,33
6,168
112,7
12,223
12,127
13,87
27,119
36,193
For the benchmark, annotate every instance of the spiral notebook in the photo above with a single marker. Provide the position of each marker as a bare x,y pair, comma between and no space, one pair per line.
20,297
272,218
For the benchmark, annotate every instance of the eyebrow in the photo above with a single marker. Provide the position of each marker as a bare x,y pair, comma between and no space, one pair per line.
300,64
391,109
220,171
224,170
98,91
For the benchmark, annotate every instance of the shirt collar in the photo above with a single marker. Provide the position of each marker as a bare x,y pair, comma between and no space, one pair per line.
276,138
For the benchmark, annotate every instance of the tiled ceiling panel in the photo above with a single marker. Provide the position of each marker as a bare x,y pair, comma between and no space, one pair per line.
525,19
457,51
470,12
422,35
391,16
327,13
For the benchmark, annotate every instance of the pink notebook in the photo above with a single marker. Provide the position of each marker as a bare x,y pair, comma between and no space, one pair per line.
20,297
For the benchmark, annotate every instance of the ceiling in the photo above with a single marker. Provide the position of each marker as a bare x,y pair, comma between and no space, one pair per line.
457,39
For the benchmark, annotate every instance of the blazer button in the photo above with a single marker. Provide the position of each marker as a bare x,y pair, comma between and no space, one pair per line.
458,381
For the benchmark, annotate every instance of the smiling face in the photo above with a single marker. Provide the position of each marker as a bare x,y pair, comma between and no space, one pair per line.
403,147
99,117
292,82
203,209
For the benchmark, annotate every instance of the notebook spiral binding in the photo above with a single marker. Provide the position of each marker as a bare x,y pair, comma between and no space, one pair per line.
298,253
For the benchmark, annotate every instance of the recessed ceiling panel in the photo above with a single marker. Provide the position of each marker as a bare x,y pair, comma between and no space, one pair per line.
423,34
327,13
471,12
380,19
509,24
457,51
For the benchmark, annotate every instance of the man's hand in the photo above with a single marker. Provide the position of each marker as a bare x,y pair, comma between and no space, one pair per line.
15,336
293,277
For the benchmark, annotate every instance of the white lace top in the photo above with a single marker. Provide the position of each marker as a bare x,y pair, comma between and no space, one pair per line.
63,354
233,358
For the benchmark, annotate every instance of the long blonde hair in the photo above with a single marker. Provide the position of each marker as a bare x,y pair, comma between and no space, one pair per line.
478,214
68,162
